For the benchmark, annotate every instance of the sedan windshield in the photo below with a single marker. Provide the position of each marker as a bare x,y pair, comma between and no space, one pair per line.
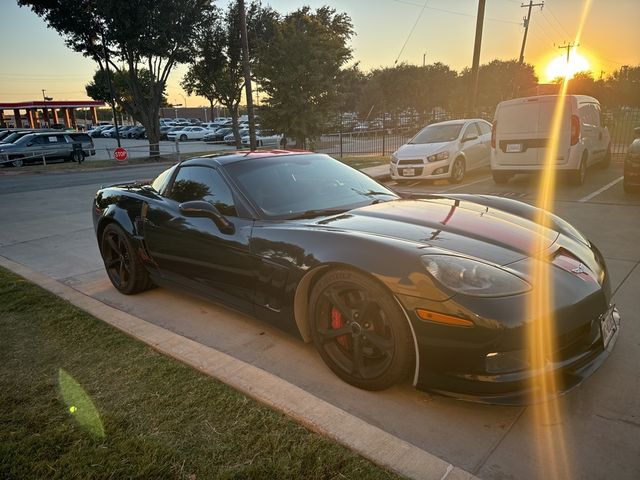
305,186
437,133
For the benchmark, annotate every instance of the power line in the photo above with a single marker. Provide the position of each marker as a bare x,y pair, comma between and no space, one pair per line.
558,22
453,12
411,32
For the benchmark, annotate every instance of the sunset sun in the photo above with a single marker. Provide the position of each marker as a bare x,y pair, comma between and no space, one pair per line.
558,67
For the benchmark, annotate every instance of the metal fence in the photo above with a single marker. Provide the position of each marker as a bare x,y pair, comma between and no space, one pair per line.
621,122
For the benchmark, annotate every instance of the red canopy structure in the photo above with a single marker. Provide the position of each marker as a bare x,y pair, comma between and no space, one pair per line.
41,113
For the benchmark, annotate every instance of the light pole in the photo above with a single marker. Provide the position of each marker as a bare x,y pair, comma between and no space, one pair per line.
185,100
175,110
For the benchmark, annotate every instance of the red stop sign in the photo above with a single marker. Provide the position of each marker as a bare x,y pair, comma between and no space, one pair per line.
120,154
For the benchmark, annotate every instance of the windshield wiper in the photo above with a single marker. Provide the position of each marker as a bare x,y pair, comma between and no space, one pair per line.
319,213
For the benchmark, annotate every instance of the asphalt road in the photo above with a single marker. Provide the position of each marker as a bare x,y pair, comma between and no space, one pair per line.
45,224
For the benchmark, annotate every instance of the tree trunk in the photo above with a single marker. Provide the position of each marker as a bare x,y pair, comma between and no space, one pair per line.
234,120
212,116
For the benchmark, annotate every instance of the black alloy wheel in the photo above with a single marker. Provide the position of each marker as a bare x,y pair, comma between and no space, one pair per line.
458,170
360,331
125,270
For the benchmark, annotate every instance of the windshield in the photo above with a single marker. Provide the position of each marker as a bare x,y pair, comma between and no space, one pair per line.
305,185
437,133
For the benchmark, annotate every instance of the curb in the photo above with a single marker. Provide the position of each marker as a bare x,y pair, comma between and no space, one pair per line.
317,415
14,173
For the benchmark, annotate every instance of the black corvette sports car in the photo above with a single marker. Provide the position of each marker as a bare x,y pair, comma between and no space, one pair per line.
385,287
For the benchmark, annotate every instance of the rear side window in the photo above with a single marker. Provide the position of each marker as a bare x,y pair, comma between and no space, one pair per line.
485,128
203,183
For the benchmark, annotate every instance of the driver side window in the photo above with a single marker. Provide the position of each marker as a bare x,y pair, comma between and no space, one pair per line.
203,183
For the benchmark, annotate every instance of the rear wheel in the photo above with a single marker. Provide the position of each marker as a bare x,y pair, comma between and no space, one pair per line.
359,330
500,178
18,162
578,176
123,266
606,161
458,170
77,157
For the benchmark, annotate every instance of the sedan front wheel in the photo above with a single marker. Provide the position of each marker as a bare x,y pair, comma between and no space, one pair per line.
123,266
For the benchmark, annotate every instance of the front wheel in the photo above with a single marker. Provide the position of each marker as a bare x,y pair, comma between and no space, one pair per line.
123,266
458,170
359,330
183,138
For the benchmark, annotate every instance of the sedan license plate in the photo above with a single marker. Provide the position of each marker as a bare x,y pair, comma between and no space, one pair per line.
514,147
408,172
607,326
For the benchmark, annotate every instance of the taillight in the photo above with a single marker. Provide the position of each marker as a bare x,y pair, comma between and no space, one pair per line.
575,129
493,134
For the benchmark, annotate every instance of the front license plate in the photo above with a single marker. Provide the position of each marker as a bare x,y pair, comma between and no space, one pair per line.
607,326
514,147
408,172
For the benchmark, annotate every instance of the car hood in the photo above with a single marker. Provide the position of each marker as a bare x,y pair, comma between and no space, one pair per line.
420,150
460,226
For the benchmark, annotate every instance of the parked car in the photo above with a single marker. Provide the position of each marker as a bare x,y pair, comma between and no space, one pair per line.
522,129
263,139
444,150
97,132
385,287
217,135
122,131
137,131
14,134
187,133
52,145
631,182
167,131
230,139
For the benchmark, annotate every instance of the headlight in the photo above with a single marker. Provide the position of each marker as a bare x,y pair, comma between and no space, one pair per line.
473,278
394,159
438,156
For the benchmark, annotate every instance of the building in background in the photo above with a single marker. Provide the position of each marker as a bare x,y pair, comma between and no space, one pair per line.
41,113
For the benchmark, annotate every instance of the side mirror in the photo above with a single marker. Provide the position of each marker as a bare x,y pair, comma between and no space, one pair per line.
469,137
200,208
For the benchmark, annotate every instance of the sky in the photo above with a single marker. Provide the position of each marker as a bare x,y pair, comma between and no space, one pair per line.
34,57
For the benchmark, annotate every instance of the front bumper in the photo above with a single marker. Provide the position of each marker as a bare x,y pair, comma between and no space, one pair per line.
431,170
453,360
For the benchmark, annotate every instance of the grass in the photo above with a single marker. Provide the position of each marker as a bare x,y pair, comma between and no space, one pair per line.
79,399
363,162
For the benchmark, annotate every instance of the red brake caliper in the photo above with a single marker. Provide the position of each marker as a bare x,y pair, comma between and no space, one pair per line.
336,323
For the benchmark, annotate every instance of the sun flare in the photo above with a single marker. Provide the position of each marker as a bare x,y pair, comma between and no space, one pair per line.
558,67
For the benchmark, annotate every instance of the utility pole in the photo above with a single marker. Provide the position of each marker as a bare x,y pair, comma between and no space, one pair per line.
247,74
526,25
113,102
424,59
568,46
475,68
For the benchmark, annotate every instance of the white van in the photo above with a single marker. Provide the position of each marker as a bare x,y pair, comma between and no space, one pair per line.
521,131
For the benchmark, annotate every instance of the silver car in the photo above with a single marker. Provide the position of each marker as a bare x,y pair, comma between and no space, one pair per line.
47,146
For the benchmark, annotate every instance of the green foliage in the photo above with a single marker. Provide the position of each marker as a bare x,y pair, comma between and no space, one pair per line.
98,89
299,69
498,80
215,70
151,35
160,418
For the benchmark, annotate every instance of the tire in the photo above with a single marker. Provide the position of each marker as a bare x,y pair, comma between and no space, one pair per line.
606,161
183,138
124,268
458,169
18,162
577,176
77,157
500,178
375,348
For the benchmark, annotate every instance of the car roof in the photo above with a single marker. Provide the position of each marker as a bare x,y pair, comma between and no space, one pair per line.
228,158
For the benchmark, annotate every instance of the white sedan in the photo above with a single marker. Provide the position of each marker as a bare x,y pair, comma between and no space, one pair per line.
188,133
263,139
444,150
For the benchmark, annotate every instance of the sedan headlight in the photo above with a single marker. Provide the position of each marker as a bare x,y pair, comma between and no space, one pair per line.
438,156
474,278
394,159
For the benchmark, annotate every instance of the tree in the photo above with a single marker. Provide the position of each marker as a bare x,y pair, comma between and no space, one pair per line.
216,71
98,89
299,69
131,36
499,80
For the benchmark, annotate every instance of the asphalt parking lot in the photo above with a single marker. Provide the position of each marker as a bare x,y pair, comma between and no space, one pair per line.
46,226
